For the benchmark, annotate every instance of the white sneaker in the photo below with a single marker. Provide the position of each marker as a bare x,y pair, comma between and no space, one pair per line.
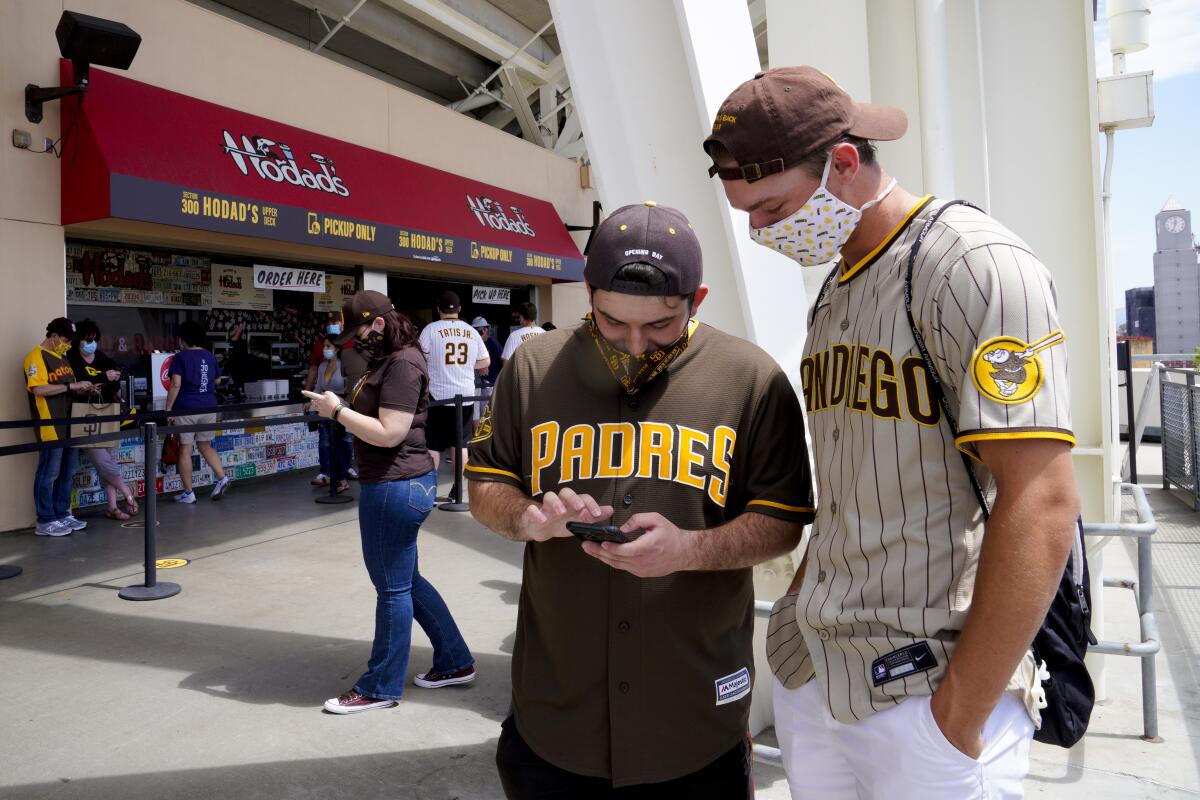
221,488
72,523
55,528
352,474
185,497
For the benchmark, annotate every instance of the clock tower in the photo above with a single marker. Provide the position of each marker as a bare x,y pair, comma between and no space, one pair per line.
1176,281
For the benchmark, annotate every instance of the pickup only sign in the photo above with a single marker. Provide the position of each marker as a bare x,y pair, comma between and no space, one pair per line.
292,278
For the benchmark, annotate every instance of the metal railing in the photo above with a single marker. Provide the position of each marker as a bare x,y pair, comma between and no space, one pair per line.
1146,648
1180,409
1143,588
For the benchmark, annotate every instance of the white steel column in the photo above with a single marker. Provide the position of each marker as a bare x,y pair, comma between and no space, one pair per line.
647,79
375,280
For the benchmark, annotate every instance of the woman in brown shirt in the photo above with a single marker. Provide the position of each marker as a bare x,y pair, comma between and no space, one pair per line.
385,411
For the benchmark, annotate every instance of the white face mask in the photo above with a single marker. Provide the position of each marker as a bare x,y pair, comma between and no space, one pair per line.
328,353
818,230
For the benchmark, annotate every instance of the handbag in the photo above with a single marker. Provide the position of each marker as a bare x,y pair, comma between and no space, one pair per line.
95,407
1064,635
170,450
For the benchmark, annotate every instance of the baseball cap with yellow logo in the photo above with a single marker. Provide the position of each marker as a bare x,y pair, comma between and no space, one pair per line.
773,121
359,308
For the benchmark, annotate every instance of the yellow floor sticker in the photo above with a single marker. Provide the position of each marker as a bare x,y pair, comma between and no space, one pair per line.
170,563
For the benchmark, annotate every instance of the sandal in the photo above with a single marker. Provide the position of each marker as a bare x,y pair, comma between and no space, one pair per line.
117,514
131,506
343,486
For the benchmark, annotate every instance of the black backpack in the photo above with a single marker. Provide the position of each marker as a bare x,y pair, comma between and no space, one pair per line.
1063,638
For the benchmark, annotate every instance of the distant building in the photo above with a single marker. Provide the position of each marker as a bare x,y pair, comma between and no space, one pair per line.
1176,282
1139,312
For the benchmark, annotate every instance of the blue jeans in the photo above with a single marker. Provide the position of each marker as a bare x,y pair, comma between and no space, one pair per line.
389,518
52,482
334,443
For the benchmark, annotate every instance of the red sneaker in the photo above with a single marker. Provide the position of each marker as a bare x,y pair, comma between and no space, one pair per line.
352,702
436,680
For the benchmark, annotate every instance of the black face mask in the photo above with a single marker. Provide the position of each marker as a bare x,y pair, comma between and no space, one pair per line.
370,346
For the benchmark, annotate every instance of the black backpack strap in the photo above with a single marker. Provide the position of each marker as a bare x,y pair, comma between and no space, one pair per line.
934,380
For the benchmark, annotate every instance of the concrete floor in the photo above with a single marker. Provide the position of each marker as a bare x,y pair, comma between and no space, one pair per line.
216,692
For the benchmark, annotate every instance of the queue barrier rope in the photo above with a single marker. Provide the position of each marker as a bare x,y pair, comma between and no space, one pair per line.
151,588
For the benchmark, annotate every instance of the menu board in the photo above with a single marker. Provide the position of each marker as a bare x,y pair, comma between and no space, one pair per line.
337,289
233,287
129,277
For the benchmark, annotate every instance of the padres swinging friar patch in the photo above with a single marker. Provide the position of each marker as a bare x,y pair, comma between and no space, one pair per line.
1008,370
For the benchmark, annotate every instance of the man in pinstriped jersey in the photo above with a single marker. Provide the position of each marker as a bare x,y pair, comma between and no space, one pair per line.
901,650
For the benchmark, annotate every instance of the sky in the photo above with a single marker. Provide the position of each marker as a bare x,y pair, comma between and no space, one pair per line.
1151,164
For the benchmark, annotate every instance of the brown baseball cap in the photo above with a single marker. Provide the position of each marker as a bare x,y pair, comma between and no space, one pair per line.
359,308
771,122
646,233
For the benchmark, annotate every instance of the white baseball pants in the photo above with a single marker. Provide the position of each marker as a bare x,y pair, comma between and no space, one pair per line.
897,754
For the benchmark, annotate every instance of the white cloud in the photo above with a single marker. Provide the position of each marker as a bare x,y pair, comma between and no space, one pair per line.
1174,41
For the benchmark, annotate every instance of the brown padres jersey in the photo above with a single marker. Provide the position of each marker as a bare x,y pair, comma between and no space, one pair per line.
895,545
640,680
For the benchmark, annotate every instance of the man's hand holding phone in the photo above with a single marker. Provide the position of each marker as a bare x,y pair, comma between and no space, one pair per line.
540,523
661,549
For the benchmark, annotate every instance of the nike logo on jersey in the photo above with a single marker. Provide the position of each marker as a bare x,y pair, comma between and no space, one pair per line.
676,453
868,380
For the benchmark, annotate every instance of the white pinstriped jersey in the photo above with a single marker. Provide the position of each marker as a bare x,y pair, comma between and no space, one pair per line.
451,349
896,540
517,338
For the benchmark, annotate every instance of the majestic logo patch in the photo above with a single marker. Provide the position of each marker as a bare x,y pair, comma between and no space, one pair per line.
733,687
32,370
1008,370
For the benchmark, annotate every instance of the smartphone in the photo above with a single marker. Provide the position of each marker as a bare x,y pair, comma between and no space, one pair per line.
590,532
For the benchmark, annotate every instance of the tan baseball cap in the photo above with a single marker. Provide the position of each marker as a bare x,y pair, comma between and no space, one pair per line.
773,121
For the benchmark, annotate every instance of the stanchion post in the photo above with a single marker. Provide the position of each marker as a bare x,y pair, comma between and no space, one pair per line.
9,571
151,589
457,504
333,498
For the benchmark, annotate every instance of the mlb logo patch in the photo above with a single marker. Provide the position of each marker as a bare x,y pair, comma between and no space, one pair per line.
880,672
733,687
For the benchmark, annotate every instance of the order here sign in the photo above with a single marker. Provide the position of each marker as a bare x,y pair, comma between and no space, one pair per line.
292,278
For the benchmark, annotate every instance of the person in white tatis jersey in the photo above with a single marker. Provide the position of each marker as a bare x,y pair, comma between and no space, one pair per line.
454,353
525,316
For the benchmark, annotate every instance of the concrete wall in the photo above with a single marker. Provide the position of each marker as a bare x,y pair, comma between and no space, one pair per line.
190,50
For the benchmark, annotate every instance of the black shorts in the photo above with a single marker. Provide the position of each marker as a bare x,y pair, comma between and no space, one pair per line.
439,427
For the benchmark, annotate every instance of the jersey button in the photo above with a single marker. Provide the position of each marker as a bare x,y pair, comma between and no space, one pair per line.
627,499
821,576
836,434
845,324
833,508
634,403
623,626
824,634
624,687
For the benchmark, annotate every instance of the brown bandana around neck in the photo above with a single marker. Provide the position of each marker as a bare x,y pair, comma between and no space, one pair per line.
634,372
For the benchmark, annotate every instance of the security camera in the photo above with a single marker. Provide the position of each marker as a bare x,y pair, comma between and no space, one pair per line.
85,40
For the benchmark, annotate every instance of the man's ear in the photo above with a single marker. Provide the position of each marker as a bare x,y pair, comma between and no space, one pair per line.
378,324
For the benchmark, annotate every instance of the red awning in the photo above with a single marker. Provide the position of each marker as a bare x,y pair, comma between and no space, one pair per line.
139,152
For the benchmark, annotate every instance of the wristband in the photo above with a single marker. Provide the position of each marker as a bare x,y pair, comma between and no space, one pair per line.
338,411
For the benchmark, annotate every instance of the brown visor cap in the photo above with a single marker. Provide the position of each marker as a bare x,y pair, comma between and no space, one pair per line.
774,120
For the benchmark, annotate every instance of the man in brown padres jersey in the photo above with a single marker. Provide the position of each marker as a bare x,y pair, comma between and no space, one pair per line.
901,651
633,662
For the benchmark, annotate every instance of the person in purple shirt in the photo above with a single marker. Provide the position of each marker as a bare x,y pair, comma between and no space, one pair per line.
194,374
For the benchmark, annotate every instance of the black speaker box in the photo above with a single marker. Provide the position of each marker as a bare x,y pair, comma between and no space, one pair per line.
92,40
